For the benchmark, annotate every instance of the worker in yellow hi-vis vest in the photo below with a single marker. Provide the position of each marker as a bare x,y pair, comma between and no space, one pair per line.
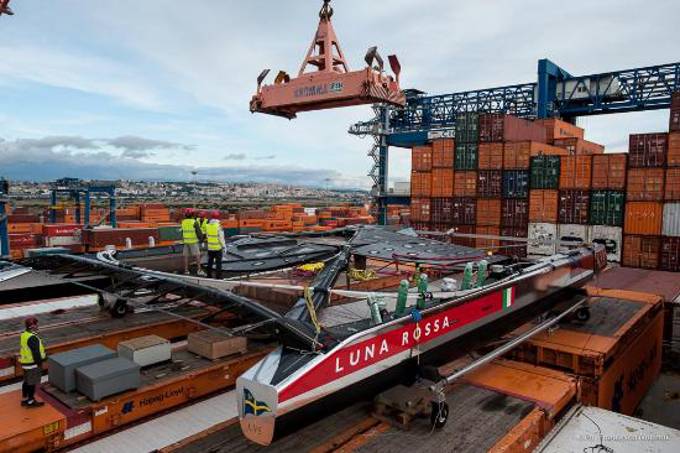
31,357
192,236
216,244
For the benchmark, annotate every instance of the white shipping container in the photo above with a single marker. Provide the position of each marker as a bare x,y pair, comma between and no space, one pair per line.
60,241
671,219
571,236
611,237
584,429
542,239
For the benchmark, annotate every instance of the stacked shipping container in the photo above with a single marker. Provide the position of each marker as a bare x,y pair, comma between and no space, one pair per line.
543,180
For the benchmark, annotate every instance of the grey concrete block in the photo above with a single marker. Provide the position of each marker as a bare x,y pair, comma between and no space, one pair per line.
146,350
108,377
62,366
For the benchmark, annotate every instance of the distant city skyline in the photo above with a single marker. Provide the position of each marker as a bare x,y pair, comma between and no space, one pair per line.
147,90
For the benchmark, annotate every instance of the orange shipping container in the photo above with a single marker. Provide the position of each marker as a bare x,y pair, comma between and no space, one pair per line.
465,183
490,156
442,182
421,158
609,171
575,172
616,358
421,184
442,153
543,206
485,243
645,184
673,159
420,209
489,212
516,156
672,184
643,217
555,128
579,146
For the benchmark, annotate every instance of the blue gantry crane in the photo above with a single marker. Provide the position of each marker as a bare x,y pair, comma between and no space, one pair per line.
556,93
73,188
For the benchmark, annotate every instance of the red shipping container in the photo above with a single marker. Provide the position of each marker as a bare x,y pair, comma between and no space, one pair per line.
489,183
579,146
674,149
103,237
513,248
514,213
609,171
641,251
670,254
464,211
420,209
645,184
643,217
441,210
489,212
24,240
442,153
61,230
421,158
496,127
647,150
573,206
490,156
672,192
674,125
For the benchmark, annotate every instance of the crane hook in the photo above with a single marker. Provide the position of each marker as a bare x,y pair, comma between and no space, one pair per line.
326,10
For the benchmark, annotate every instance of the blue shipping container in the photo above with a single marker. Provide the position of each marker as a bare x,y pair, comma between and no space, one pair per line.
515,184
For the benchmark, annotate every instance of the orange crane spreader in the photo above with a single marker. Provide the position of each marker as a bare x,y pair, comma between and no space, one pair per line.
331,83
5,9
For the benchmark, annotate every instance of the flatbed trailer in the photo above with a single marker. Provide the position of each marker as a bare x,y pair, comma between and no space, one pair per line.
86,326
164,386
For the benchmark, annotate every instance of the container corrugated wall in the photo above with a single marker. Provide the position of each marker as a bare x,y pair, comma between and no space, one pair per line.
671,219
545,172
490,156
643,217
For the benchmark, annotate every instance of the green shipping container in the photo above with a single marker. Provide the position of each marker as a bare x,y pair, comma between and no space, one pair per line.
228,232
545,172
606,207
466,156
467,127
170,233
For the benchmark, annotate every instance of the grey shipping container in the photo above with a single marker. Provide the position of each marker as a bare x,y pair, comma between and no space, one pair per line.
62,366
671,219
106,378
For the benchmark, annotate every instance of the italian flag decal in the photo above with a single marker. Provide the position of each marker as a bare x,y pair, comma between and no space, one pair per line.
508,297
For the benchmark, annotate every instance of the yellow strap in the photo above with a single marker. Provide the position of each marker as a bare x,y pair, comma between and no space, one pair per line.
361,275
312,267
312,311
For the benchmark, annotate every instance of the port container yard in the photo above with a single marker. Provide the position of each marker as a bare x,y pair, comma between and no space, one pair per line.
521,295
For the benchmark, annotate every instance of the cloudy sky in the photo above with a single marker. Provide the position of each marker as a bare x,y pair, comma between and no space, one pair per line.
157,88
